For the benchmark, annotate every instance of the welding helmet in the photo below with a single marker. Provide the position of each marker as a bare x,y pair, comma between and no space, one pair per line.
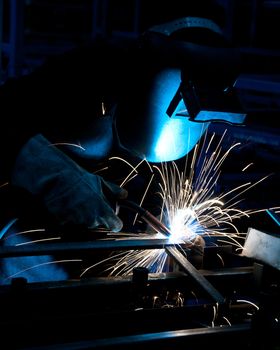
160,116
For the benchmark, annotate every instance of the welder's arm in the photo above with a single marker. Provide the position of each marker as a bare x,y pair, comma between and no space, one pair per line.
70,193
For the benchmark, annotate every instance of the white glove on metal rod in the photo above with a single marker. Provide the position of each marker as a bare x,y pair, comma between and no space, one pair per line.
70,193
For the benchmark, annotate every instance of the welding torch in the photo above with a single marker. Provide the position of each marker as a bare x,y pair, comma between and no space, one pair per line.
154,222
197,245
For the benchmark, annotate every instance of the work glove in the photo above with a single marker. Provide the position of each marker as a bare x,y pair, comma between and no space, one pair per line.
70,194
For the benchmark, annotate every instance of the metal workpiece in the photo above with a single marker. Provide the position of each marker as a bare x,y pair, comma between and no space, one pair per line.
68,248
195,274
176,339
263,247
191,303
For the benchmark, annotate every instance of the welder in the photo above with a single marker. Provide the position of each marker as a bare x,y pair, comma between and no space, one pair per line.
80,106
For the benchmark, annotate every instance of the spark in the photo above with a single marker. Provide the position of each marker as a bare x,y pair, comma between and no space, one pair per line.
222,260
215,313
27,232
196,298
126,261
4,184
247,302
144,195
68,144
133,174
101,170
227,320
191,207
180,300
134,170
31,231
116,256
247,166
103,108
6,228
125,161
23,232
25,266
39,241
155,299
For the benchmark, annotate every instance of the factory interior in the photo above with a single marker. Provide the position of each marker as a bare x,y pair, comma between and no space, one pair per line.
139,287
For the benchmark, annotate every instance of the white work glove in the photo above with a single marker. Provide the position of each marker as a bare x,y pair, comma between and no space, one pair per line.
70,193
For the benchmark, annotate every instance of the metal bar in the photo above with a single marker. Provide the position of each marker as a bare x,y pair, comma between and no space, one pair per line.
137,16
99,18
171,337
1,37
16,55
82,247
112,281
274,216
228,272
195,274
95,282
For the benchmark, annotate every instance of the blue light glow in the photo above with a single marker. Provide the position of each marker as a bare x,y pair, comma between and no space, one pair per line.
33,268
273,216
185,225
174,136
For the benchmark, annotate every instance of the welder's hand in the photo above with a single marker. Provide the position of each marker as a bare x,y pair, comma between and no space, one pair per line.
70,193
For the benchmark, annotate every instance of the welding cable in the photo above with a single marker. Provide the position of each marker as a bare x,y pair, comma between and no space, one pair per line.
154,222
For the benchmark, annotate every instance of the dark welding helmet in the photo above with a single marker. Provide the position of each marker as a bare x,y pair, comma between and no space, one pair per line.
181,83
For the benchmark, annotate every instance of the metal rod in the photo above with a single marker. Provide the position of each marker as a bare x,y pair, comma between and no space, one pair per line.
195,336
1,37
82,247
146,216
195,274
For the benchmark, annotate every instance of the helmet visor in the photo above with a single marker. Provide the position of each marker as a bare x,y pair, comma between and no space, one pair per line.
157,128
